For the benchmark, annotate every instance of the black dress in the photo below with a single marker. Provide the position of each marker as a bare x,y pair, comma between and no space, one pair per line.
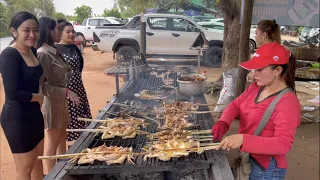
73,56
21,120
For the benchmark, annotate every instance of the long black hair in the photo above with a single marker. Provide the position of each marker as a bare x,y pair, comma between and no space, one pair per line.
20,18
46,26
288,72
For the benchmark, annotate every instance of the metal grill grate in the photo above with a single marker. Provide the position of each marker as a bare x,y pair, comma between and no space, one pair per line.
193,161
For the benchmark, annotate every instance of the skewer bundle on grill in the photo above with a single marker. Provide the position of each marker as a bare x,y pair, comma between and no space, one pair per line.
158,148
124,128
176,121
118,157
176,143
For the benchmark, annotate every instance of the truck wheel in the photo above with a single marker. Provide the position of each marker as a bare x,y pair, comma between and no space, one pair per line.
125,54
252,45
212,57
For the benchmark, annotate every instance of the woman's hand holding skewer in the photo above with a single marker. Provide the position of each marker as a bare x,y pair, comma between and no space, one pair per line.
231,142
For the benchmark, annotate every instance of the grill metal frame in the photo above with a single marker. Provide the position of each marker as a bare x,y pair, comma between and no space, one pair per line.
214,163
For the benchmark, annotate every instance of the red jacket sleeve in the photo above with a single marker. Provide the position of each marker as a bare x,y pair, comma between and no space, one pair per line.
285,120
233,109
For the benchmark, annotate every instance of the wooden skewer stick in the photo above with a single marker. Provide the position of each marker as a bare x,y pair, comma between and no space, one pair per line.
202,137
209,144
209,131
192,132
95,120
201,112
113,113
100,130
62,156
199,140
110,120
205,148
212,104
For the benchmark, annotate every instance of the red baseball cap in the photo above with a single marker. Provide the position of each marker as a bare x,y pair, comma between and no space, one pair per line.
267,54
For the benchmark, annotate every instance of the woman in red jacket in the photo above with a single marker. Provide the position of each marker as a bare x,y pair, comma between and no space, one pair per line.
273,70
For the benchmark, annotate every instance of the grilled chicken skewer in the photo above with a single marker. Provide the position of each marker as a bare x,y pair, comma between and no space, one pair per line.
183,148
76,155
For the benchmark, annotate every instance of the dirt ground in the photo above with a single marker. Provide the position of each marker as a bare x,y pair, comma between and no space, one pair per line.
303,158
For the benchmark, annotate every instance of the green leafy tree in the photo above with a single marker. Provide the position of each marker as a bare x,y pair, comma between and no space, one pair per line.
134,7
9,8
58,15
114,12
4,20
44,8
70,18
37,7
83,12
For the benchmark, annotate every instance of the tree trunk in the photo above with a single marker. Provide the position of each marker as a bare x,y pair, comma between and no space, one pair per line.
232,26
244,53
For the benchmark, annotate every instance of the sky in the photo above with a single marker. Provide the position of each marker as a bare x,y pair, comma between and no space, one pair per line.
68,6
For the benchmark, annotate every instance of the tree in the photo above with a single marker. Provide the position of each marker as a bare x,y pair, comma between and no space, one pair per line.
58,15
70,18
44,8
37,7
134,7
83,12
4,20
231,37
114,12
9,8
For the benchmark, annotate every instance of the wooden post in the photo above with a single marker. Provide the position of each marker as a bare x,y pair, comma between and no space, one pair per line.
244,53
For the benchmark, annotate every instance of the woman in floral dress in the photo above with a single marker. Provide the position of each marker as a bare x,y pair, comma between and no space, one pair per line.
72,54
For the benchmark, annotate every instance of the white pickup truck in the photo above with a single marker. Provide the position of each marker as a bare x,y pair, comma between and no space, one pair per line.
87,26
168,36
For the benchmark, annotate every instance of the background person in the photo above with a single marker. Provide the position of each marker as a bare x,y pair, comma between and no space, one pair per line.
21,117
267,31
56,76
72,55
273,71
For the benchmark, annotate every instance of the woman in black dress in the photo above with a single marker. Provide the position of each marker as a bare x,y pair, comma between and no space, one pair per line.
21,117
72,55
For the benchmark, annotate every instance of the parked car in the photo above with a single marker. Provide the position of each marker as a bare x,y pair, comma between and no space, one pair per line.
87,26
218,21
201,18
168,35
218,24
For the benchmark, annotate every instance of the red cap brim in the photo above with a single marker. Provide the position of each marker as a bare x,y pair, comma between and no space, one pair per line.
254,63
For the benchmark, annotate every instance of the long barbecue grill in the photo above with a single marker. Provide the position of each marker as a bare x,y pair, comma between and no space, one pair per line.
213,164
